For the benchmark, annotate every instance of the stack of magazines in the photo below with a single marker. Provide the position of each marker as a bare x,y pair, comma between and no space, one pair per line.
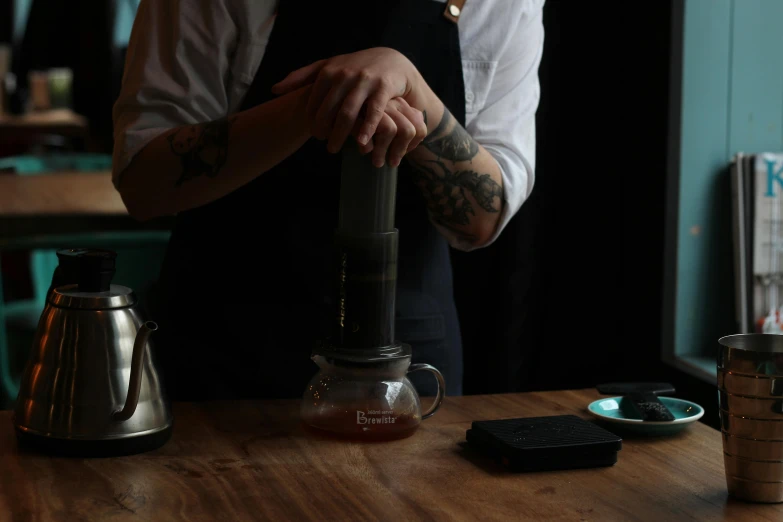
757,186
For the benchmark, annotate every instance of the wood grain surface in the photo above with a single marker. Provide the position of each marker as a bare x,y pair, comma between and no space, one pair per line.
242,461
63,122
60,193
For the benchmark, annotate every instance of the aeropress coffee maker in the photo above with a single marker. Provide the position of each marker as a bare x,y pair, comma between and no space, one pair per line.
361,391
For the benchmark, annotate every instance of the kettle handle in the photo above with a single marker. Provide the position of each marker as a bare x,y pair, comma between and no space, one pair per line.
137,363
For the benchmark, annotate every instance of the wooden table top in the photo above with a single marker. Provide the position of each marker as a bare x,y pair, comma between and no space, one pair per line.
63,122
60,193
63,203
238,461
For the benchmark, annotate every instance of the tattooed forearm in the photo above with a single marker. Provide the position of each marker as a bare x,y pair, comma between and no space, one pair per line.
450,141
203,149
445,191
445,198
460,182
483,188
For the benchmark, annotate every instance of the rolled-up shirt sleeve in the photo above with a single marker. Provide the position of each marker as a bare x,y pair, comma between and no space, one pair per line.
505,125
177,68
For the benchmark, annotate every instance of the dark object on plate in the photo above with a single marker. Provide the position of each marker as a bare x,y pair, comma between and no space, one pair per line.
643,397
545,443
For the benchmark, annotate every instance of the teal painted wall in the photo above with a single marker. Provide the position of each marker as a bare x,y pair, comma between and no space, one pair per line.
756,102
732,101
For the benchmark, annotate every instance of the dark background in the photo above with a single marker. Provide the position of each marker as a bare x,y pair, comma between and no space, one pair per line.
571,294
585,253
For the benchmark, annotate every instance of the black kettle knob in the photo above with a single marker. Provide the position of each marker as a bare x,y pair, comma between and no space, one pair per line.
67,271
91,269
96,270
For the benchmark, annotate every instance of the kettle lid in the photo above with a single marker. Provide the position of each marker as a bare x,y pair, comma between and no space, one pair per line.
72,296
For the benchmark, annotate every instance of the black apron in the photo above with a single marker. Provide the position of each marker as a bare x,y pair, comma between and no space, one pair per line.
245,283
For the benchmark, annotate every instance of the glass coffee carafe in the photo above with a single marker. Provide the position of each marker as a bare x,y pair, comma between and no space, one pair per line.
371,400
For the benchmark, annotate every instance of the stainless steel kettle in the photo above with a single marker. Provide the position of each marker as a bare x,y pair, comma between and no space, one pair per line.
90,387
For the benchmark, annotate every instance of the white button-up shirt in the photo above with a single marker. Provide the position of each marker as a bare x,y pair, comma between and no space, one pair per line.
191,61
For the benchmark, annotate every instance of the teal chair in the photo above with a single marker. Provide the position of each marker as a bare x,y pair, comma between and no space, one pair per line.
44,163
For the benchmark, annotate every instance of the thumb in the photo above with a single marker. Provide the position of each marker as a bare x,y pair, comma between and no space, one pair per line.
299,78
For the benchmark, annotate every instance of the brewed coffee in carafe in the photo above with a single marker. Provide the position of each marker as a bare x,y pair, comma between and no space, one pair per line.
368,400
361,390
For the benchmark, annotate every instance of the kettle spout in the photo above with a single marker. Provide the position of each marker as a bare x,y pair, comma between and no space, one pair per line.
137,363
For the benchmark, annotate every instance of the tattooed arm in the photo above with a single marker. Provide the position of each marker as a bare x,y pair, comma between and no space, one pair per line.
459,179
193,165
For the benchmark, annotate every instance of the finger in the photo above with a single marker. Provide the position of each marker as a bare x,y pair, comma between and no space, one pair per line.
405,133
327,112
346,117
374,111
321,88
416,117
363,149
384,134
299,78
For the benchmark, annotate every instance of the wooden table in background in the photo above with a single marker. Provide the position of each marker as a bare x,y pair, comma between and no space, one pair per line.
237,461
62,122
60,193
61,203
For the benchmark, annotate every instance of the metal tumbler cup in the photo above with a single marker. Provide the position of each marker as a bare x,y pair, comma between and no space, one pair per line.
750,390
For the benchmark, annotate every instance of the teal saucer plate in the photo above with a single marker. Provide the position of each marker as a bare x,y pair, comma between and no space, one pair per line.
622,416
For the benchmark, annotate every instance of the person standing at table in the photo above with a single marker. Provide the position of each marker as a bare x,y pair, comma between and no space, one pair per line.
230,116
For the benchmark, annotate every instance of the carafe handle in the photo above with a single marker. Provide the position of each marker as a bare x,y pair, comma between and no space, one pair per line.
441,387
137,364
